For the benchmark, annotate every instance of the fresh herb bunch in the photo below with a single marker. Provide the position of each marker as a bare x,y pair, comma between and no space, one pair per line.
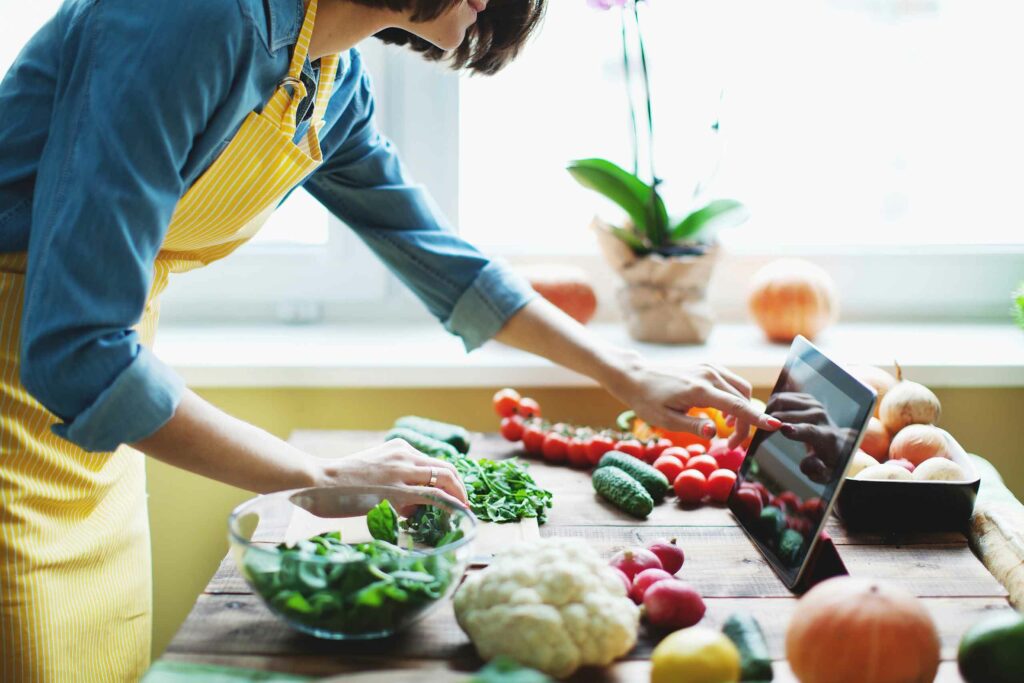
502,490
364,588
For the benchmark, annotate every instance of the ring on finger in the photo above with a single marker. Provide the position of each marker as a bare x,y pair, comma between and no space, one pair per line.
433,477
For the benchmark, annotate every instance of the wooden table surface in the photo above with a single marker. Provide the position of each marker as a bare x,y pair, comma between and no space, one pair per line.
230,626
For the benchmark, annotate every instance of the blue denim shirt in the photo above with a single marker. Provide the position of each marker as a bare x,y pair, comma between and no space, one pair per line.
109,114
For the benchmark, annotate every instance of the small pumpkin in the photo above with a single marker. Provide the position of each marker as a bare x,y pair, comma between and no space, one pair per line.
567,287
858,630
790,297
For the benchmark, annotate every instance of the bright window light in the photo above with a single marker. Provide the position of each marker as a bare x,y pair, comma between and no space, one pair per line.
843,122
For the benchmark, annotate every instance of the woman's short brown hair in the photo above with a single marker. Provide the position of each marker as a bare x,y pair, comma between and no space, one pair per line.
492,42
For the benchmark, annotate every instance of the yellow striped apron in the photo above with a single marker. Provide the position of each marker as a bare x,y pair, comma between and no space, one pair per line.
75,565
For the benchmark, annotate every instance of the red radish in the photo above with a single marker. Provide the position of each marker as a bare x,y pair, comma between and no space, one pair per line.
632,561
690,487
730,459
669,465
705,464
646,579
673,605
670,554
625,579
904,463
720,485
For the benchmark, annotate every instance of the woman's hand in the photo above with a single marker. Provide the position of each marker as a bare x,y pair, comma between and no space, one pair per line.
395,463
663,399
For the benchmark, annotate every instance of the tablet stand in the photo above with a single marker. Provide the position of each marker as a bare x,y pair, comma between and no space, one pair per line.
824,563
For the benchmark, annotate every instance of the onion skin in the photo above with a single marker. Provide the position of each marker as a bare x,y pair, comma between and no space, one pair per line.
790,297
918,443
854,630
909,403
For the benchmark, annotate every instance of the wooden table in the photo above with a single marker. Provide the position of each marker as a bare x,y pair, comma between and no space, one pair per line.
230,626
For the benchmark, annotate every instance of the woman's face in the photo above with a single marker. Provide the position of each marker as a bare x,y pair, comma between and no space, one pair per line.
449,30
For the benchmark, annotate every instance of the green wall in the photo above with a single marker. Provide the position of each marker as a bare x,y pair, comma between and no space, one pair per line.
188,514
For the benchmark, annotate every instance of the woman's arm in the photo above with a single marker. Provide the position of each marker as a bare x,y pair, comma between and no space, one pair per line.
204,440
657,397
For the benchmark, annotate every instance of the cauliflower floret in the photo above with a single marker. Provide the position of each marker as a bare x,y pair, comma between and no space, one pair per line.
552,604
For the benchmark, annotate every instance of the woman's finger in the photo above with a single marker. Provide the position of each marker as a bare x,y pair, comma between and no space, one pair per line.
428,495
728,402
740,435
719,382
735,380
439,478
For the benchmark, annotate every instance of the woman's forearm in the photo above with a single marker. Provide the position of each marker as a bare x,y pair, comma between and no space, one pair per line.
541,329
204,440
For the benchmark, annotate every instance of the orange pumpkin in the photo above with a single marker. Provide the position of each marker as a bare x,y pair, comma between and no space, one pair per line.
857,630
567,287
790,297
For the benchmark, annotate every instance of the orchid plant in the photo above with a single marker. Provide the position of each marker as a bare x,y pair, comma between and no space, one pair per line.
651,230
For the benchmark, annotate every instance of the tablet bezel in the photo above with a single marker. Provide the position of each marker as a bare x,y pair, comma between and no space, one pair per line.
864,396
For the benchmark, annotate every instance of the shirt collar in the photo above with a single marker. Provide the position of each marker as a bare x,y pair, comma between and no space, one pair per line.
284,22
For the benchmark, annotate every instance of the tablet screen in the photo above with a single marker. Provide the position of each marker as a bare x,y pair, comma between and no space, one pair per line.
787,482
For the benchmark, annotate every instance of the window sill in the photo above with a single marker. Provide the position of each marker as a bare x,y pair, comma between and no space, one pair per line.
391,356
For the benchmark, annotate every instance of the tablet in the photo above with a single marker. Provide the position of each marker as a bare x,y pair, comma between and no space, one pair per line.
785,489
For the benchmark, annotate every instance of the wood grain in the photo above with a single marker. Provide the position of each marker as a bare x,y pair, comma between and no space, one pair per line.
230,626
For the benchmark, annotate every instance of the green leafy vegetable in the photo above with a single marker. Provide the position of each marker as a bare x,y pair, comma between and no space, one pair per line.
365,588
505,670
382,521
431,525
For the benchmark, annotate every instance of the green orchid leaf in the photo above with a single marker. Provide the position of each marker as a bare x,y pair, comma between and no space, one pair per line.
1018,297
644,206
716,215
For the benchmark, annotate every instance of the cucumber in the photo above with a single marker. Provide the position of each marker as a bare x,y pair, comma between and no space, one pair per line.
622,491
442,431
651,479
755,660
426,445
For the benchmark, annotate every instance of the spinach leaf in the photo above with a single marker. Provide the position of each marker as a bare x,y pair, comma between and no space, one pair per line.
382,522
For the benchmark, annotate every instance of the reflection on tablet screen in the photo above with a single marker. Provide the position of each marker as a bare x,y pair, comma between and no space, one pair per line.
784,488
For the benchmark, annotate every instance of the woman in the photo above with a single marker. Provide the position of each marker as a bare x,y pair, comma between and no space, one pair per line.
143,139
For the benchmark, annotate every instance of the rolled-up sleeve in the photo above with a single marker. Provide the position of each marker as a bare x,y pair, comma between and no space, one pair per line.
106,186
364,183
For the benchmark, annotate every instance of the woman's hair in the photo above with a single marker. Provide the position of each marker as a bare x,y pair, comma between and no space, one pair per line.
492,42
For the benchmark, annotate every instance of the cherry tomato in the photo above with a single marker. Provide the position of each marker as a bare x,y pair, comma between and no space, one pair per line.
555,448
704,464
813,508
506,402
528,407
512,427
730,459
720,485
598,445
669,465
749,502
533,438
631,447
654,448
690,486
682,454
790,500
762,491
576,452
696,449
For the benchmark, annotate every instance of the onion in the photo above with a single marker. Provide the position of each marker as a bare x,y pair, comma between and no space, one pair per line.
884,472
918,443
876,440
908,403
940,469
860,462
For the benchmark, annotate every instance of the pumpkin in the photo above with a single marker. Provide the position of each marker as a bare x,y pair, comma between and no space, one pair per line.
858,630
790,297
876,378
567,287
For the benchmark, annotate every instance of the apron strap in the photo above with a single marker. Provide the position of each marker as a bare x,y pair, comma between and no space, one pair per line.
284,105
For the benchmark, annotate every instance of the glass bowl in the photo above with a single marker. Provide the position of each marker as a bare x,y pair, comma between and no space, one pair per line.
310,555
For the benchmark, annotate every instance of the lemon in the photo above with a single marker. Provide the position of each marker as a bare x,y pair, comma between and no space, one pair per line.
695,655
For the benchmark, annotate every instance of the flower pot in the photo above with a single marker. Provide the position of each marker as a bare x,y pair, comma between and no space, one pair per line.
663,299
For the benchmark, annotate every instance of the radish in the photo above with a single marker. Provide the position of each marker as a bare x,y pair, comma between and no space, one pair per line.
632,561
644,580
673,605
670,554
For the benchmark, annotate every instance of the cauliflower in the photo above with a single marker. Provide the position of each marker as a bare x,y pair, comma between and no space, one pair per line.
552,604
